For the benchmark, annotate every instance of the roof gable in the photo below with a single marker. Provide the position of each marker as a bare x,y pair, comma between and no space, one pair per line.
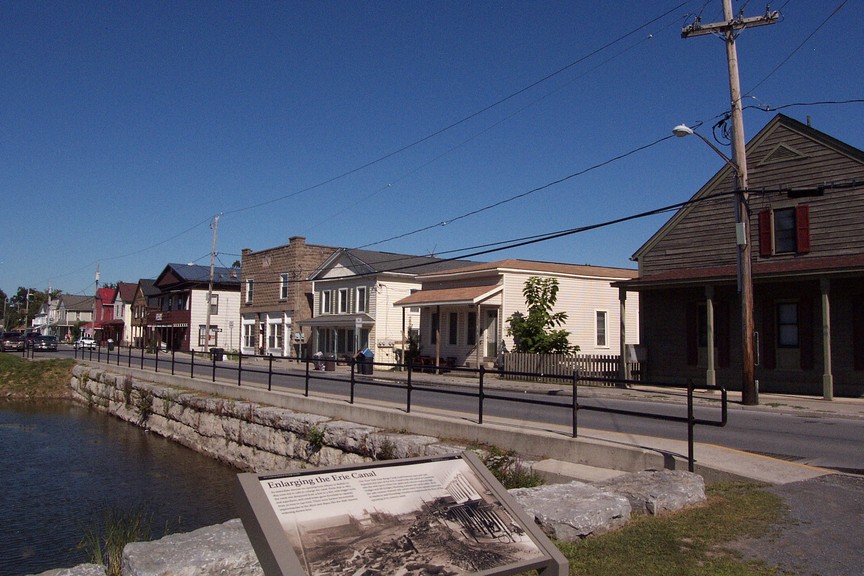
767,158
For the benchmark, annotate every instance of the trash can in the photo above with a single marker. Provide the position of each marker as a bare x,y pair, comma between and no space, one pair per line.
330,363
367,357
110,344
217,353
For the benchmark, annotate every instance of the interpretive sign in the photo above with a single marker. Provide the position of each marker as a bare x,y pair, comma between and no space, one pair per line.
439,515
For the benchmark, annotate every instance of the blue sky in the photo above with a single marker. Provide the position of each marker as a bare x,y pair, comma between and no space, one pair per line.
127,126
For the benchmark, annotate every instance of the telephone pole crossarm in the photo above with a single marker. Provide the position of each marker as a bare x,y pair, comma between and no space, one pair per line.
699,29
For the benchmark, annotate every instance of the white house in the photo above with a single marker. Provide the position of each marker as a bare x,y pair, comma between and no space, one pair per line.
354,292
463,311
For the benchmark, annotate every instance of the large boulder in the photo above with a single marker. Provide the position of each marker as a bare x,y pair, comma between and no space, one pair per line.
217,550
657,491
574,510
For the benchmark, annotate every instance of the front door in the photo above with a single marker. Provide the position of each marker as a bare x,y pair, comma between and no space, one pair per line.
492,336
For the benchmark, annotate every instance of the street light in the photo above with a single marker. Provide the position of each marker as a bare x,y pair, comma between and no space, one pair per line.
749,389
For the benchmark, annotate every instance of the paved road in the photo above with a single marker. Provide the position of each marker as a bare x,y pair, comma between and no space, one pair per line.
825,531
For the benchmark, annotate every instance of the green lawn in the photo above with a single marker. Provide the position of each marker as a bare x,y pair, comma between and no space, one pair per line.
699,541
46,378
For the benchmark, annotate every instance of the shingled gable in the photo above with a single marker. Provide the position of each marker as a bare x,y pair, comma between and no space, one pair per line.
762,154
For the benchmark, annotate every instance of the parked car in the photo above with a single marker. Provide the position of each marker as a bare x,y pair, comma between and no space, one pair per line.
48,343
12,341
85,342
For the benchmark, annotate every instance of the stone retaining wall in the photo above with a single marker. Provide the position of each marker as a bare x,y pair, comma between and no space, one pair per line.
246,435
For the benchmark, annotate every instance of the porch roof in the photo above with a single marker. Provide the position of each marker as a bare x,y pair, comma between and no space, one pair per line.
450,296
339,321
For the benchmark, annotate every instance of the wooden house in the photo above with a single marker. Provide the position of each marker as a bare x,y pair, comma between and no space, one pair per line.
806,209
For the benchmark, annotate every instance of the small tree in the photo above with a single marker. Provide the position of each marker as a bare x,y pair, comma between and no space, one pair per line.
537,332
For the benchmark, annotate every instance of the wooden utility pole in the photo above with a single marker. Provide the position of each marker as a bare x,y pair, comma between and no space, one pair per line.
729,30
215,227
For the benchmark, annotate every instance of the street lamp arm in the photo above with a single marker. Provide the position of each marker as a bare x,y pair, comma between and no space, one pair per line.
683,130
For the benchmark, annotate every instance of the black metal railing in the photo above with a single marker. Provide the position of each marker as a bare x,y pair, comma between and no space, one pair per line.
241,367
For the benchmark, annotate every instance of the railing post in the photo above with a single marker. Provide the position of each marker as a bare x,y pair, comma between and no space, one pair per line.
98,353
306,388
173,352
239,368
156,366
118,354
213,364
691,424
480,396
129,360
192,365
270,374
408,400
142,357
575,403
353,364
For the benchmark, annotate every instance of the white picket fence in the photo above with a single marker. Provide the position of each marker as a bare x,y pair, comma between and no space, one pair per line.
542,366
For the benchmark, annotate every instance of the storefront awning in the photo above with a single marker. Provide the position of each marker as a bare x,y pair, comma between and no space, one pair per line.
466,295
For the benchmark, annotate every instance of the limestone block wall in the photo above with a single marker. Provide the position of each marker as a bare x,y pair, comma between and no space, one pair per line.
246,435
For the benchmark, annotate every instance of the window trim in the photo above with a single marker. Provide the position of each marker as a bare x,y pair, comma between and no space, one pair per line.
326,302
361,303
284,279
250,290
605,314
342,301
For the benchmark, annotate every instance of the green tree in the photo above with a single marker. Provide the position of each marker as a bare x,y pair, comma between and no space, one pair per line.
538,332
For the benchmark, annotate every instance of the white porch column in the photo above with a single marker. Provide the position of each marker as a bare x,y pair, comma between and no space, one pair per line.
827,376
711,372
623,365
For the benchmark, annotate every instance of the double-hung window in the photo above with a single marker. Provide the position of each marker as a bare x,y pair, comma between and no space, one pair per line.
283,286
250,290
784,231
602,322
342,304
787,325
326,306
361,304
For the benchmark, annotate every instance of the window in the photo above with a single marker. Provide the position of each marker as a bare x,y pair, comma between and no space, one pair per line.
283,286
342,304
214,304
274,337
784,231
453,329
471,329
602,321
249,334
362,304
787,325
325,302
250,290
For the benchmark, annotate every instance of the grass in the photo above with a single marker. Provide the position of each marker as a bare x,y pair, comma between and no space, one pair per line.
104,541
693,542
26,379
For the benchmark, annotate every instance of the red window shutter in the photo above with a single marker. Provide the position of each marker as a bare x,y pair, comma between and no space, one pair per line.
768,353
765,233
692,334
802,223
805,333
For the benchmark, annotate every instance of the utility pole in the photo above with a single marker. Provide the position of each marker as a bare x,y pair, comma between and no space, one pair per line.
95,295
215,227
729,30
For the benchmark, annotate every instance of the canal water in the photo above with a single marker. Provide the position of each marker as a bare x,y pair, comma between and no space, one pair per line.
65,466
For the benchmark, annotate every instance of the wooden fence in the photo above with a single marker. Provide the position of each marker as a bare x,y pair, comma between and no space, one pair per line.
563,365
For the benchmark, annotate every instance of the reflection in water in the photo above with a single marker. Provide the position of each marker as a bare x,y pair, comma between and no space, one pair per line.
64,466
